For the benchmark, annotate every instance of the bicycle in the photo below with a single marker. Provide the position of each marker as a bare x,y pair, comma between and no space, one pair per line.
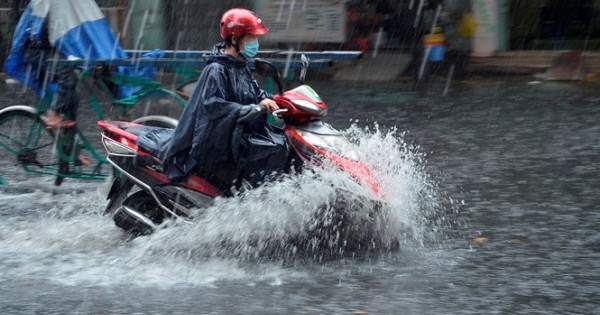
38,150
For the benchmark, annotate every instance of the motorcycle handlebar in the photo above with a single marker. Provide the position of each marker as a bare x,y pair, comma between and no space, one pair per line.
279,111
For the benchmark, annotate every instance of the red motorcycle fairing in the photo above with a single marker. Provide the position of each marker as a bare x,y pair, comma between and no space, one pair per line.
117,131
357,170
314,152
302,104
194,182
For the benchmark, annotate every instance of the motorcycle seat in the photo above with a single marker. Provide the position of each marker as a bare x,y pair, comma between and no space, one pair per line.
139,130
152,139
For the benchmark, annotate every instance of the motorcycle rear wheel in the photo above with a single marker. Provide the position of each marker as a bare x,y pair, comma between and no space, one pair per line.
139,214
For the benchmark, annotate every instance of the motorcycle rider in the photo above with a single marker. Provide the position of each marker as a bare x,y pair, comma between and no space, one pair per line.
224,123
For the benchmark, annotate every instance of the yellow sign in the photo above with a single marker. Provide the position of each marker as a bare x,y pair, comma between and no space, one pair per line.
468,25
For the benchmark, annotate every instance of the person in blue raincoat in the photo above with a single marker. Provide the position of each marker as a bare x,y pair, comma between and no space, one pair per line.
223,127
59,29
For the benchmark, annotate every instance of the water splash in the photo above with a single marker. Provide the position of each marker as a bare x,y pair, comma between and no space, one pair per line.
66,237
413,197
300,215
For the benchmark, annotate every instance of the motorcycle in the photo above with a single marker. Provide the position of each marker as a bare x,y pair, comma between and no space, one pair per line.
310,142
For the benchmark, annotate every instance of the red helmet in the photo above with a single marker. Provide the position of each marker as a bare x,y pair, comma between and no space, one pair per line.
240,22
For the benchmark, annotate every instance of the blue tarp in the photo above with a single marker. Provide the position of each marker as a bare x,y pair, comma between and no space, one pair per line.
76,28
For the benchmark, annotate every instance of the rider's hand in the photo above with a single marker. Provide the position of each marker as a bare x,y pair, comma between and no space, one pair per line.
269,105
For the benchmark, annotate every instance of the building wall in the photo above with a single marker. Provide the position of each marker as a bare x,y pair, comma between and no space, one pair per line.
5,29
554,24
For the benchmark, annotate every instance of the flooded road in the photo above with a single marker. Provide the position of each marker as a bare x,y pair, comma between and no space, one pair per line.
494,194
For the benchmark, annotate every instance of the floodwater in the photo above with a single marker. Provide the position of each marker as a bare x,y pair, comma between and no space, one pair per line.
493,194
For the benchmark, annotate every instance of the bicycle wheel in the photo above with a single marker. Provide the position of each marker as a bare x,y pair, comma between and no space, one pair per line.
24,136
157,121
158,103
188,87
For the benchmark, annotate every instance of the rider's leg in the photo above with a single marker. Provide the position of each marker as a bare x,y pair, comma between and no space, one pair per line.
64,104
63,110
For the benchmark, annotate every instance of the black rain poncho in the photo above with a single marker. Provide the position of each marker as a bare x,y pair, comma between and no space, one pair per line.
223,125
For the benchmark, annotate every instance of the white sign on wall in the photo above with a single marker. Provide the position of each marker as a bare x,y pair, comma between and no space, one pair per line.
304,20
490,34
